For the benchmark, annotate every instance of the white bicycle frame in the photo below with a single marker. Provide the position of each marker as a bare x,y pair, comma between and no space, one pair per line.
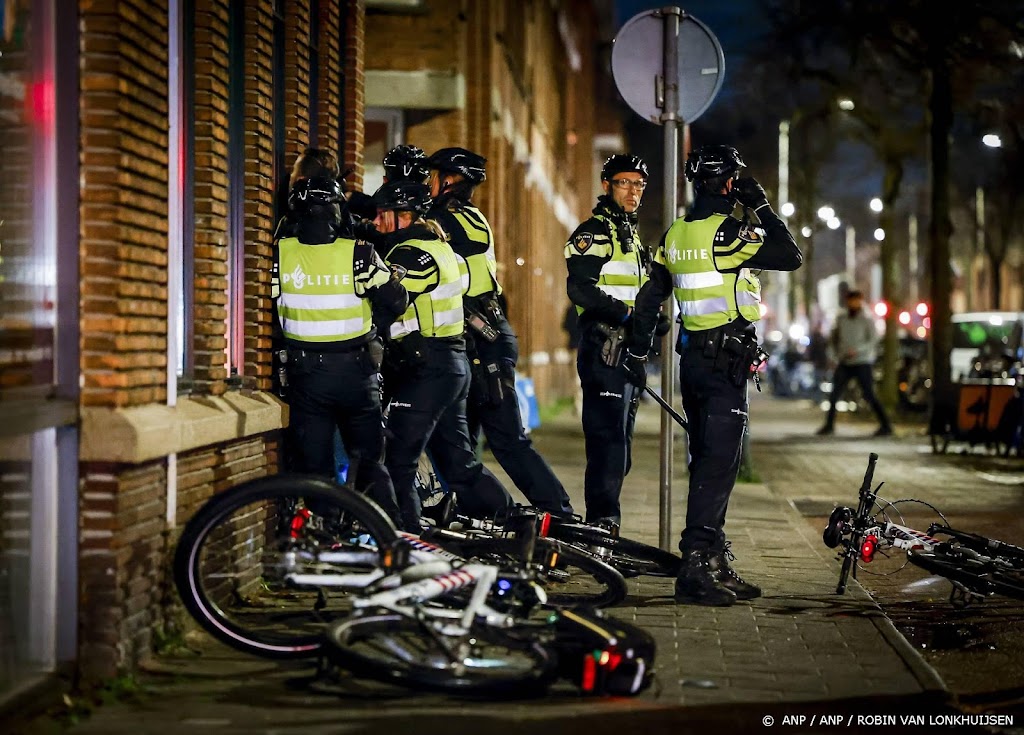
437,572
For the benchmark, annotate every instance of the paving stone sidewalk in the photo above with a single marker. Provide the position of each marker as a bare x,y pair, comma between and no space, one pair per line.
798,649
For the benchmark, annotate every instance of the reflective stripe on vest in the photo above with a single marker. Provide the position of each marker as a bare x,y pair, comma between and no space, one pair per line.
437,313
318,301
623,275
481,268
707,297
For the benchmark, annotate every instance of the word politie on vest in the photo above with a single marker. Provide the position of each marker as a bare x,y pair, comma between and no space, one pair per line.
300,279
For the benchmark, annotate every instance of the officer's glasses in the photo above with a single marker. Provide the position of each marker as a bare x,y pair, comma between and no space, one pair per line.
629,184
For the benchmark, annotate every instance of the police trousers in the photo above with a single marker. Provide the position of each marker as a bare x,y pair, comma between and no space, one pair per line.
428,412
338,390
717,411
609,412
502,424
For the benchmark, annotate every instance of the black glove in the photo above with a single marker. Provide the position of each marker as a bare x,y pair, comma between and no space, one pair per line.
749,193
664,326
636,369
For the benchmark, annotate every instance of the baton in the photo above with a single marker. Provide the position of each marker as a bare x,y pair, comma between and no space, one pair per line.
671,411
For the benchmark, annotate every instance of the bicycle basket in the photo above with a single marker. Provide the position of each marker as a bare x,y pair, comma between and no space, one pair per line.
603,655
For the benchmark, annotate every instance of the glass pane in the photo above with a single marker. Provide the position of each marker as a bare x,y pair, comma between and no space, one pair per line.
26,633
27,267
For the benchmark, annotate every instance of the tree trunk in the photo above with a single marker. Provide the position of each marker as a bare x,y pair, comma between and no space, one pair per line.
940,107
889,389
995,266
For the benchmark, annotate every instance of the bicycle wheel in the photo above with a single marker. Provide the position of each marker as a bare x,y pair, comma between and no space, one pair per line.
233,563
983,576
394,648
570,575
631,558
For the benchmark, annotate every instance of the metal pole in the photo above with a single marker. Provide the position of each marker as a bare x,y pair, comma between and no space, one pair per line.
783,316
670,121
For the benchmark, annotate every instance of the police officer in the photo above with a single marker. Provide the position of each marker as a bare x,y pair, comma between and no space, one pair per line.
607,266
406,163
493,406
428,372
328,287
706,259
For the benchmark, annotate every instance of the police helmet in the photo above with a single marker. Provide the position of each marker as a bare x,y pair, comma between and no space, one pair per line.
314,191
460,161
406,163
713,162
407,196
622,163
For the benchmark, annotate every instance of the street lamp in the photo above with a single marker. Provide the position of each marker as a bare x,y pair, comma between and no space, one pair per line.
787,209
879,234
875,205
992,140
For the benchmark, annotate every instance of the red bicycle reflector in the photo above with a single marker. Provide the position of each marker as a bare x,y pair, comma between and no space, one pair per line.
298,521
589,673
867,549
545,525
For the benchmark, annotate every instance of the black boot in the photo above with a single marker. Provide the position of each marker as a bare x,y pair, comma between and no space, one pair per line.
719,560
697,583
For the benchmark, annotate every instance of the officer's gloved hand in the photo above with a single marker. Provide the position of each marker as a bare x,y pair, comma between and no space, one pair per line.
749,193
636,369
664,326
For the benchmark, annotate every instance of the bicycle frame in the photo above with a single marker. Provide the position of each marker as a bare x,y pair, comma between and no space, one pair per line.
438,573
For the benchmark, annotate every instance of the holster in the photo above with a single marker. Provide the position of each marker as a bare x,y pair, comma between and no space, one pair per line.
407,354
486,385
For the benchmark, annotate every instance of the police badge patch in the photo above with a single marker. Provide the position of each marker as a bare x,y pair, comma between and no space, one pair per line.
583,241
398,272
749,233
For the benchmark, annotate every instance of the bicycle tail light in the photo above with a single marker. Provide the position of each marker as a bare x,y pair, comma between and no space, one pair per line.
298,521
545,525
867,548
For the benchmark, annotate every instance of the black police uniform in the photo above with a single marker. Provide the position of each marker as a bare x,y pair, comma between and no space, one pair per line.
714,368
428,383
493,404
610,399
335,385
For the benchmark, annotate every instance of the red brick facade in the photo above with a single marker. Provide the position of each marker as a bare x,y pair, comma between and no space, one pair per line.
126,540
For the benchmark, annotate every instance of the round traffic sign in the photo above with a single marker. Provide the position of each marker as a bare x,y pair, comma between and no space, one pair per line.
638,57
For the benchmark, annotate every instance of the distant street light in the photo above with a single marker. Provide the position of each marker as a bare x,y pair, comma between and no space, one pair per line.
879,234
846,104
826,213
787,209
833,223
806,231
992,141
875,204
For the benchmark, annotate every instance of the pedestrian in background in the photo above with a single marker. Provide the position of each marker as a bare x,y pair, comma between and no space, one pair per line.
706,258
855,346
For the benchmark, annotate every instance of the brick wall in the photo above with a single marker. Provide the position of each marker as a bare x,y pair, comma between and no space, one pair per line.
212,82
354,105
126,540
534,117
260,190
123,214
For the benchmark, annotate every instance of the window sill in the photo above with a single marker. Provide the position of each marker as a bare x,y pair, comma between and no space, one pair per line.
143,433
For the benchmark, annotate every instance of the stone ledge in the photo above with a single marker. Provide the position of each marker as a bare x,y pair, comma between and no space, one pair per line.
142,433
